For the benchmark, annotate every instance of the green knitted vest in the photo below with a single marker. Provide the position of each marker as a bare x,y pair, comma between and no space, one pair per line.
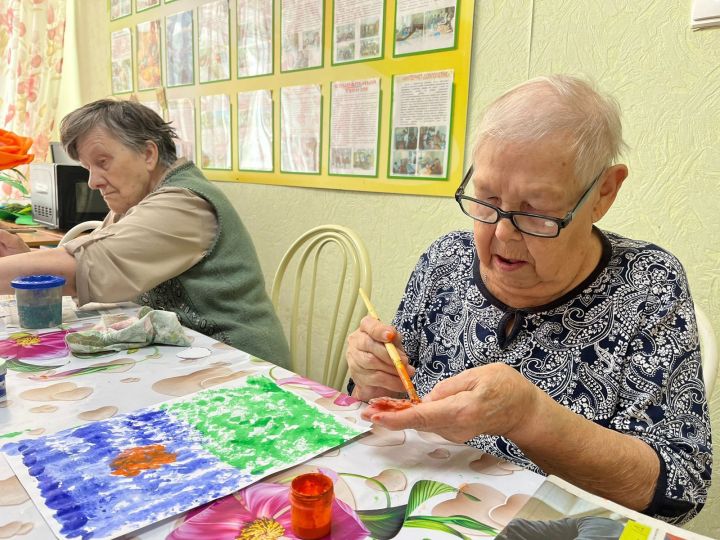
223,296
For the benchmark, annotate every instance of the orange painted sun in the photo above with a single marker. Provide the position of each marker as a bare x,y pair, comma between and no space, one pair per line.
133,461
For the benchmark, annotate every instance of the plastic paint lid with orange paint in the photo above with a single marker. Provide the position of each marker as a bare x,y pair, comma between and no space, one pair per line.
311,498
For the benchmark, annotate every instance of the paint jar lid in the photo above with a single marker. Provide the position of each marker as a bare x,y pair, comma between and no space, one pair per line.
37,282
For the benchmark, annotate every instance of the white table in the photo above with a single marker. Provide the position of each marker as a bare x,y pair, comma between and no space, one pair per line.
375,472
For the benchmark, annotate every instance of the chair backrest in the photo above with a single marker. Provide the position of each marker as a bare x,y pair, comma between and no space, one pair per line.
330,264
708,350
78,229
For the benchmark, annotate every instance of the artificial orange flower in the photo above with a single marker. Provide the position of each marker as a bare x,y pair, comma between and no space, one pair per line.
14,150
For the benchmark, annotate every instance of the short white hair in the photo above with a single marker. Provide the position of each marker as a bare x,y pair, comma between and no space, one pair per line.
563,106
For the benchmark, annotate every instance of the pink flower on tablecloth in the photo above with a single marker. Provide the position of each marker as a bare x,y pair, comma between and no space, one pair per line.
261,511
22,345
342,400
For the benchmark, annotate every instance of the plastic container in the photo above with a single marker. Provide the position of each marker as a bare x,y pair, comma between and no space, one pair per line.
39,300
311,498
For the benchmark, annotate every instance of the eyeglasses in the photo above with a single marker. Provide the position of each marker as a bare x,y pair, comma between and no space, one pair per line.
525,222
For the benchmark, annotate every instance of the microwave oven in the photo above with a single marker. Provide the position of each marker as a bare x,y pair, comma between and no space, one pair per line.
61,198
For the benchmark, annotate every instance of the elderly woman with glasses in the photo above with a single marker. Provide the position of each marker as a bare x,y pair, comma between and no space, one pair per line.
540,338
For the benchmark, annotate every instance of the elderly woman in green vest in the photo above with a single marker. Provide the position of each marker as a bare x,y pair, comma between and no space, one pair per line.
171,240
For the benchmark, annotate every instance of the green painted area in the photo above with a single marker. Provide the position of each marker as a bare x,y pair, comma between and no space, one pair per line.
260,426
11,434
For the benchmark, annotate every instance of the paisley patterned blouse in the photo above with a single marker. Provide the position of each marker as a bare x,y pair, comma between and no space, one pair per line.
620,349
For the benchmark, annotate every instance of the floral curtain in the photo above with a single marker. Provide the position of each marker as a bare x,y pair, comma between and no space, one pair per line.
31,44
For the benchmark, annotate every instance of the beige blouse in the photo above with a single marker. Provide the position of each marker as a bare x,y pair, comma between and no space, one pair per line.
161,237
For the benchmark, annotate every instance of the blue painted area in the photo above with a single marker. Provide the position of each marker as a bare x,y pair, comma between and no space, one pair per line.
73,472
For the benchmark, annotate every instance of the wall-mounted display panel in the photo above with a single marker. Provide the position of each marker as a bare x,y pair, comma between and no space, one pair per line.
365,95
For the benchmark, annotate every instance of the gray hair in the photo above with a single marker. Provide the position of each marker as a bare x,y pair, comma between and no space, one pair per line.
130,122
560,105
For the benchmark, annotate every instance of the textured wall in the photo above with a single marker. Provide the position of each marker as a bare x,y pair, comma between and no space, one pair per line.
666,79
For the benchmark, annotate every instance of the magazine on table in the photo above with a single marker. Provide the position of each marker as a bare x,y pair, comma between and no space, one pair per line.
560,511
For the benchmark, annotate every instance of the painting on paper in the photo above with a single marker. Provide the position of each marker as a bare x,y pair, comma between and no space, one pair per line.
119,8
148,55
111,477
255,130
214,41
215,135
121,61
142,5
254,38
182,116
179,49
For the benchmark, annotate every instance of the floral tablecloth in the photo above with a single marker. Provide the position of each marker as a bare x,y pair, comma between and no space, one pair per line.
388,484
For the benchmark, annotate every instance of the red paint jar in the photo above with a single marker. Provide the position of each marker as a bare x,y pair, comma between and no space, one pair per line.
311,498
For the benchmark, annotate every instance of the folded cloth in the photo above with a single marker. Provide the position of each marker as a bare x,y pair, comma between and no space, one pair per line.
117,332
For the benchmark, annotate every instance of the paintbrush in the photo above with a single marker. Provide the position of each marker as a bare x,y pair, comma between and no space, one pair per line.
394,355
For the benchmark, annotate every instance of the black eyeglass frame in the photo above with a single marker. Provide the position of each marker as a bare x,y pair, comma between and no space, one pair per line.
502,214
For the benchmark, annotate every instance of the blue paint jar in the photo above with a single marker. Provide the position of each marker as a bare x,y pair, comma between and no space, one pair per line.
3,371
39,300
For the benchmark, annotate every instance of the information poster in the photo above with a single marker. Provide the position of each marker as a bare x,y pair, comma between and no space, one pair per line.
121,61
357,30
215,132
142,5
214,41
255,130
179,49
181,113
119,8
254,38
424,25
354,114
300,115
148,55
421,118
302,34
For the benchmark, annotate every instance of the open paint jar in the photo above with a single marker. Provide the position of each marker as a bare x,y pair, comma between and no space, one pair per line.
39,300
311,498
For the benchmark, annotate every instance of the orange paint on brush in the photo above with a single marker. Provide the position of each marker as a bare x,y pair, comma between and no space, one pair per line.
133,461
311,498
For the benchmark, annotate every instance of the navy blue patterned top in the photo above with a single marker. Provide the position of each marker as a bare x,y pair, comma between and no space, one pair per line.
621,349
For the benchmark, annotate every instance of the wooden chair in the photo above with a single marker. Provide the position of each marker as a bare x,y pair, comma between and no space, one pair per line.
78,229
328,264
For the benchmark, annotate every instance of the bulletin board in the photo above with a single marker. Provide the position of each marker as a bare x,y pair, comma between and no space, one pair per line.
373,99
